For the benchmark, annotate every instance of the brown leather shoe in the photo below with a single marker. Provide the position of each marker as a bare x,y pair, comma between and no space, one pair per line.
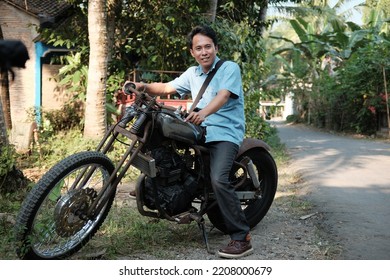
236,249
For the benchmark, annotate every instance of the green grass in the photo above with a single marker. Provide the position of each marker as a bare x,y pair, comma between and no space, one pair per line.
126,233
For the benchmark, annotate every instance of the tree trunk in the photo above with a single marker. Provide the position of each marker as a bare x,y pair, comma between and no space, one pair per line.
3,130
4,120
387,100
263,14
263,11
5,99
95,109
213,10
113,12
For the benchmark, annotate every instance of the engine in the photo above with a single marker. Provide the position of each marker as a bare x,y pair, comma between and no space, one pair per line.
175,185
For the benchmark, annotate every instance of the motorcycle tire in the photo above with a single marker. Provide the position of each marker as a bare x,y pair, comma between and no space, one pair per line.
50,224
254,209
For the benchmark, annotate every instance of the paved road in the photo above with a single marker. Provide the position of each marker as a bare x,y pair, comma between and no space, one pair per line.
349,181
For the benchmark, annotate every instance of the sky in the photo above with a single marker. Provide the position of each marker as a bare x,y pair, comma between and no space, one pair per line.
355,17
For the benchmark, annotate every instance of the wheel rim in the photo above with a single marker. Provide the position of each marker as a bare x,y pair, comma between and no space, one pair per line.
57,227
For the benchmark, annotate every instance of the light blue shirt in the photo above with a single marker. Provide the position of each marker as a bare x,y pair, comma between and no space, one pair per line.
228,123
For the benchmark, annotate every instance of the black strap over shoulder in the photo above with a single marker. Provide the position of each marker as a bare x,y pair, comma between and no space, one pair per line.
205,84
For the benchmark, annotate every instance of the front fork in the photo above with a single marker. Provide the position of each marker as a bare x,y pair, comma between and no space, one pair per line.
132,156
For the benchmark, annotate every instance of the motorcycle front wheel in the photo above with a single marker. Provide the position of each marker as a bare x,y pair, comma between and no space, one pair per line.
52,222
254,209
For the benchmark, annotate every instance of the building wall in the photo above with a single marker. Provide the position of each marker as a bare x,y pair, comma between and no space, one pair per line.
18,25
52,97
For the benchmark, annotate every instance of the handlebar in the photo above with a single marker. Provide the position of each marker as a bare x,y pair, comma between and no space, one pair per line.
130,88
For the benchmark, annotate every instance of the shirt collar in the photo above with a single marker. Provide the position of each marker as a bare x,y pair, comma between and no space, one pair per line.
199,71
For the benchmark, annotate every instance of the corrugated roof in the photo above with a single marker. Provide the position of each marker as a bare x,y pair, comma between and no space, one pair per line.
41,8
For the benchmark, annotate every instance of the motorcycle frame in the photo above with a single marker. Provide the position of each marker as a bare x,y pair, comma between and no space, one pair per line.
134,156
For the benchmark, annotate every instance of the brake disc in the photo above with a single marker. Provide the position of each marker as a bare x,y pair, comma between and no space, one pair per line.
69,209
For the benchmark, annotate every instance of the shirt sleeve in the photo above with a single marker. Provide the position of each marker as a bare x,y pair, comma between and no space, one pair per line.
231,79
182,83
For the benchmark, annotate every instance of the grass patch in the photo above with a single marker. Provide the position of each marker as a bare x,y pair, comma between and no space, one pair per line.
126,233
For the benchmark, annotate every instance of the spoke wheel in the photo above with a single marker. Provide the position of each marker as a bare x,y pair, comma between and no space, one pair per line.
254,209
53,222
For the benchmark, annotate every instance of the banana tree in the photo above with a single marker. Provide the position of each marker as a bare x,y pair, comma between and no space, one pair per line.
322,32
301,60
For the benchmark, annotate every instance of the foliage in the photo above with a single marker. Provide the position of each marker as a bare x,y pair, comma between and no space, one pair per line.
250,11
7,160
348,93
359,82
71,33
256,127
73,76
356,94
57,145
383,5
239,43
68,117
11,179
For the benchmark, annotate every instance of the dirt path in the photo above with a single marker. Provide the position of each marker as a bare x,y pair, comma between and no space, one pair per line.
349,184
291,230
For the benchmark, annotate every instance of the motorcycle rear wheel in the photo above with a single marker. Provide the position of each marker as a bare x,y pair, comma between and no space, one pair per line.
254,209
52,223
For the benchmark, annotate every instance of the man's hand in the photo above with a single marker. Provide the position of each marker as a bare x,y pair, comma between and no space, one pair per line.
159,89
215,104
195,117
138,86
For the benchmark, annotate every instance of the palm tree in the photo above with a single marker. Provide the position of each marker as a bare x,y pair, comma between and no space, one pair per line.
3,91
213,10
95,110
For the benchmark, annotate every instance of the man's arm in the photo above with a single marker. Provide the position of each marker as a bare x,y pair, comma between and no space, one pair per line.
160,89
218,101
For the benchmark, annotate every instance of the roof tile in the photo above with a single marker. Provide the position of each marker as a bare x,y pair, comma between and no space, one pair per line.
42,8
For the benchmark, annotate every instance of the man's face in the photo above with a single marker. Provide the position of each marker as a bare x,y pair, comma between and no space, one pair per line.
204,51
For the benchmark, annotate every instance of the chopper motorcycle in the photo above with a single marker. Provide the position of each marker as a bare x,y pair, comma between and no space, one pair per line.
71,201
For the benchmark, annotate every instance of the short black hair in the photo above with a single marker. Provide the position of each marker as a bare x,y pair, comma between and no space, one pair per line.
204,30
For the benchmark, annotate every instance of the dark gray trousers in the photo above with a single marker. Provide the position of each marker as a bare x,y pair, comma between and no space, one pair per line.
222,155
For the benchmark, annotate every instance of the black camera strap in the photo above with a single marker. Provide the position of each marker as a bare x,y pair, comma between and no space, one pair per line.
205,85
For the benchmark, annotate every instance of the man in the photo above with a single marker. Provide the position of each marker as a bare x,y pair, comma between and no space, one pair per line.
221,111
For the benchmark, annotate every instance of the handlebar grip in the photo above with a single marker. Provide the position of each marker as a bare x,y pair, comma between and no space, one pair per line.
127,88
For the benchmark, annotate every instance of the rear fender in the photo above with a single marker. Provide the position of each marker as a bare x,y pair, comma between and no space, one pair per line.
250,143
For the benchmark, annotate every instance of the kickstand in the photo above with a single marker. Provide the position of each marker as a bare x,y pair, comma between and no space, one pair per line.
202,227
